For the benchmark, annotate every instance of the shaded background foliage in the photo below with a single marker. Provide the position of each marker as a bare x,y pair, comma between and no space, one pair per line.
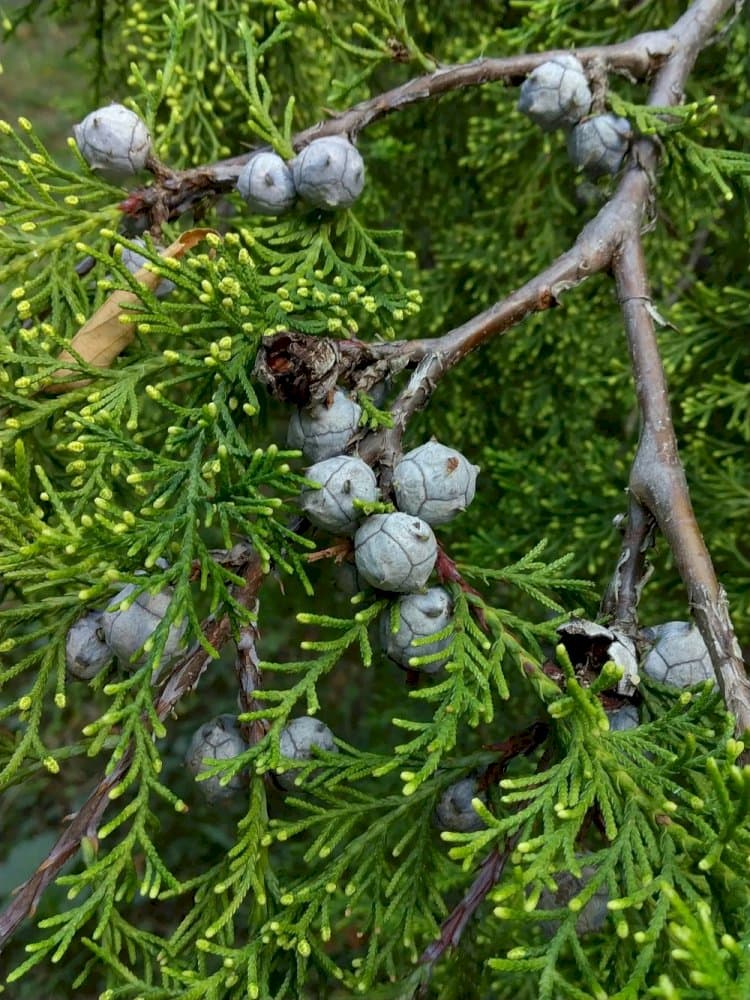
484,200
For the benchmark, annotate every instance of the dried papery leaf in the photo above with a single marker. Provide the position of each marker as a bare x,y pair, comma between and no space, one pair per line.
103,336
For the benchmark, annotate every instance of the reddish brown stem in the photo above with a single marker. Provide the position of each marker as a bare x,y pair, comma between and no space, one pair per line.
454,925
85,823
493,865
448,572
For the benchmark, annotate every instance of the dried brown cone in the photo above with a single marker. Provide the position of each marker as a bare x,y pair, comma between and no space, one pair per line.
297,368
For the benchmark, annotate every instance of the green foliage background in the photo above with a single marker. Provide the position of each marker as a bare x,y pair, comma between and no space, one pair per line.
174,451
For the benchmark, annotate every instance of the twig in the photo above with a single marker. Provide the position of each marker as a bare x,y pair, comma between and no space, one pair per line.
657,479
632,570
186,672
520,743
247,668
591,254
454,925
637,57
447,571
84,824
178,191
338,552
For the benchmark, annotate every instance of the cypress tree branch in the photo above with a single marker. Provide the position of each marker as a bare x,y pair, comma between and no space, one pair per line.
187,671
181,679
612,239
247,669
637,57
591,254
455,924
657,479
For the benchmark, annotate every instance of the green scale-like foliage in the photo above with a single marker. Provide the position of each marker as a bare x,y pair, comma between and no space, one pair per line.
161,462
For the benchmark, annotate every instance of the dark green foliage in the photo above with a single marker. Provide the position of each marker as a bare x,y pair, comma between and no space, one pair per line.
167,458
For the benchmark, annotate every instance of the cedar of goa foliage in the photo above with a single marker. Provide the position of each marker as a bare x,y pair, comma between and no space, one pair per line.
512,810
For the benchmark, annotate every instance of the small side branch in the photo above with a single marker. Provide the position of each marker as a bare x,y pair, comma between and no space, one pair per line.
178,191
620,602
637,58
453,926
491,869
591,254
247,668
